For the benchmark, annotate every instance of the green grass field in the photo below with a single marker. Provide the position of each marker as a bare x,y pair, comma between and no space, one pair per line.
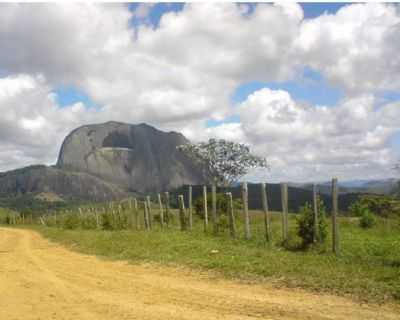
368,268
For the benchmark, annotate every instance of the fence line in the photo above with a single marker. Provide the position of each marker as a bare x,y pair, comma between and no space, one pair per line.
127,213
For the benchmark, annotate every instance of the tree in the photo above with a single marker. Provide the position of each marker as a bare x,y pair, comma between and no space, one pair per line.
224,161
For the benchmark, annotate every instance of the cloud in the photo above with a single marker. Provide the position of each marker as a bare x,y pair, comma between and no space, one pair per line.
183,73
356,48
191,64
32,125
346,140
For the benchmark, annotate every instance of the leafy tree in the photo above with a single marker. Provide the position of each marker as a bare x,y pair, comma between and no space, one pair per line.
224,161
305,224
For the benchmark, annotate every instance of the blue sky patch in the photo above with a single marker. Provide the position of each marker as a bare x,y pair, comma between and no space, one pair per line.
391,96
215,123
309,87
67,96
155,13
395,143
313,10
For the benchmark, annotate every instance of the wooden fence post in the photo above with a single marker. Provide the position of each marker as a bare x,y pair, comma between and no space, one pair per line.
205,208
284,198
161,211
146,216
182,212
135,207
167,217
135,213
150,214
231,215
190,222
214,207
245,198
335,227
130,214
267,219
97,219
315,211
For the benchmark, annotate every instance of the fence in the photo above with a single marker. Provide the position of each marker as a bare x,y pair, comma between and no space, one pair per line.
143,214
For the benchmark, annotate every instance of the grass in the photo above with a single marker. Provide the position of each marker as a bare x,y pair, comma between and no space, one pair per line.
368,268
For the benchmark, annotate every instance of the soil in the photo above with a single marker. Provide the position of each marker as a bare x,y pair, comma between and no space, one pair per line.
43,280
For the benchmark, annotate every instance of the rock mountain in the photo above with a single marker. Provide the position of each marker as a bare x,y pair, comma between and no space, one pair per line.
108,160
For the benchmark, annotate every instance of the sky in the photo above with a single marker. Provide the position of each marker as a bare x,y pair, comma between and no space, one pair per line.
314,88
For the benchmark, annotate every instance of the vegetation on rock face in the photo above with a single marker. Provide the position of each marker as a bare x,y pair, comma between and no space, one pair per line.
225,161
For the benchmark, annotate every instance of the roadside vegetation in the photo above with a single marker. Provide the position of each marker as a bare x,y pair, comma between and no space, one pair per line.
368,268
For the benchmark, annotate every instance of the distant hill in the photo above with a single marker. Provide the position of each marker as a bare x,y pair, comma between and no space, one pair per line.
383,186
64,184
297,196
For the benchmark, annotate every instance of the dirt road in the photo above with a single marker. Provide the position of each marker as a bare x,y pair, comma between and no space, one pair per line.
41,280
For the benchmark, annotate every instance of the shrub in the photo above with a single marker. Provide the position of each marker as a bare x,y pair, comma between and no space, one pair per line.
356,209
222,223
305,224
114,221
71,221
367,219
88,222
8,220
383,206
222,204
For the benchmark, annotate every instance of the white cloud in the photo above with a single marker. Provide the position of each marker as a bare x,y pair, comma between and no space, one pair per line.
32,125
183,73
356,48
346,140
189,63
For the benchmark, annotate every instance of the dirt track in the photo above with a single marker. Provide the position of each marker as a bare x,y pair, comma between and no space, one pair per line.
41,280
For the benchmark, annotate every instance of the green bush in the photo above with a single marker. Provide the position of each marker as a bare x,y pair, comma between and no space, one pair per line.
88,222
71,221
305,224
222,223
222,204
114,221
382,206
367,219
356,209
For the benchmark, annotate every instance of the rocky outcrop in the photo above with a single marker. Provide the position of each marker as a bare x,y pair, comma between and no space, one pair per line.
138,158
109,161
